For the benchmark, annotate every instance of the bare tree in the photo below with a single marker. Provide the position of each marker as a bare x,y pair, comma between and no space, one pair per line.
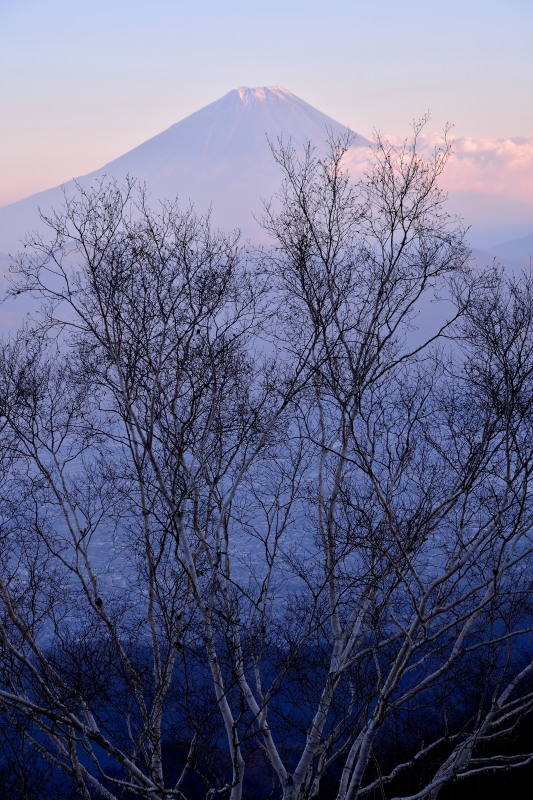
254,522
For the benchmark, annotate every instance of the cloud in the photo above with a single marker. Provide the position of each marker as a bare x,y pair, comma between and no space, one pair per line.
488,166
489,183
492,166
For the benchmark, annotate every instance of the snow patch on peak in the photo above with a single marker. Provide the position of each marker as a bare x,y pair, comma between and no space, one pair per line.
261,93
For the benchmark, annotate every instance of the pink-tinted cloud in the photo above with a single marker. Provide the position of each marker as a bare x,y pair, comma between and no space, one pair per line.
489,183
492,166
488,166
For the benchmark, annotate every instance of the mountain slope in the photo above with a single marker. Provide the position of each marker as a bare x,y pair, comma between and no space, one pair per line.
218,156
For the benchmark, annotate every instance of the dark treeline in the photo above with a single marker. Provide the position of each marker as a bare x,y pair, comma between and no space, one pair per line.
25,773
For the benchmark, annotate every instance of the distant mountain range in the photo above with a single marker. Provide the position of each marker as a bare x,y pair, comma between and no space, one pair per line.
516,251
218,157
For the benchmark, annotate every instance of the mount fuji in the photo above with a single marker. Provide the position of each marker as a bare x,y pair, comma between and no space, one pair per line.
218,157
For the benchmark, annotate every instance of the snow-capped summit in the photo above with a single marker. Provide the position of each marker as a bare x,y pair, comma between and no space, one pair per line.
229,136
219,156
262,93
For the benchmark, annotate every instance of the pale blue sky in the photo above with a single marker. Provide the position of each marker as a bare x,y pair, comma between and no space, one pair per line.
82,82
